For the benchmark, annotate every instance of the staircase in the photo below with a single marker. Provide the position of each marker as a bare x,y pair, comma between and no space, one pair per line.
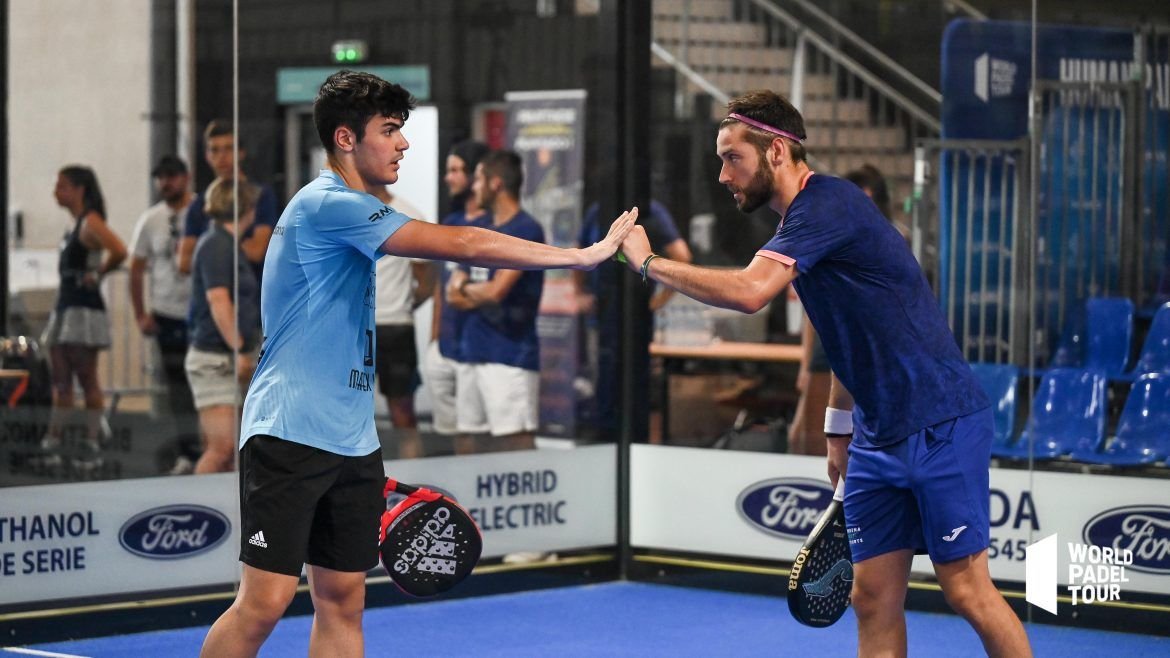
852,115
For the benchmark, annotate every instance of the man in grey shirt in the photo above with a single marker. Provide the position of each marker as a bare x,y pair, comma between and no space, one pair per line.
161,295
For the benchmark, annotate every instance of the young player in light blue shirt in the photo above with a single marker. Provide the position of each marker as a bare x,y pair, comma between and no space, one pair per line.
311,474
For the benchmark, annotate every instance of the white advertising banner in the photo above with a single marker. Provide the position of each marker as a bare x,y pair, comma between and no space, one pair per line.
536,500
73,541
759,505
92,539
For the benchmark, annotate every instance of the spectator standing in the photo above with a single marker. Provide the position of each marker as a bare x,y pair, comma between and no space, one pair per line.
225,323
501,397
162,314
78,326
440,363
219,140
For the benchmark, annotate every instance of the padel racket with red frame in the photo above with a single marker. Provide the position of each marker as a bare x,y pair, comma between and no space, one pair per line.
428,543
822,574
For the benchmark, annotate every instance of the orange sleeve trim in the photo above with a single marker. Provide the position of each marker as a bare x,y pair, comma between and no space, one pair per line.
779,258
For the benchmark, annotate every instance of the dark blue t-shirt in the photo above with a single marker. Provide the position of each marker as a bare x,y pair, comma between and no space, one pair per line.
506,333
883,331
451,320
212,268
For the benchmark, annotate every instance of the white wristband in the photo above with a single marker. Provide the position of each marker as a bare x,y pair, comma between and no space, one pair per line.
838,421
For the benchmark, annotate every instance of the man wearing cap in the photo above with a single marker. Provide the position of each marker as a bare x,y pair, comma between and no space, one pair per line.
162,313
909,428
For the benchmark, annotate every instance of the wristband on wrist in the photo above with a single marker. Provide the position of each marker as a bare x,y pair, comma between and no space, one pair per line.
838,422
646,266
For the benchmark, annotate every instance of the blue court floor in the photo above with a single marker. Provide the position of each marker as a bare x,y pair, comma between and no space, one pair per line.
614,619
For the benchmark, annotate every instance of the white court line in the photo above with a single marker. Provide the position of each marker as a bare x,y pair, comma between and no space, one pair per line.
35,652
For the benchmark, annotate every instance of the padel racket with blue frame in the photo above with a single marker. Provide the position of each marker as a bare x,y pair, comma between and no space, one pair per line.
428,543
822,574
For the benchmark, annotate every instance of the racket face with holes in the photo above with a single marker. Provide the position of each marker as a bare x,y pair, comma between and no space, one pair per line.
429,544
822,574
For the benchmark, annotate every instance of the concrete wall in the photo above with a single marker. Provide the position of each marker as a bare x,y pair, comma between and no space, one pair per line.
79,93
79,82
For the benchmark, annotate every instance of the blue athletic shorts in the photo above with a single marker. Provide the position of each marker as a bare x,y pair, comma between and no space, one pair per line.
928,492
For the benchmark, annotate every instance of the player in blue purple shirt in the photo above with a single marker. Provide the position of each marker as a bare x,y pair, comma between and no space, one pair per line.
909,427
311,473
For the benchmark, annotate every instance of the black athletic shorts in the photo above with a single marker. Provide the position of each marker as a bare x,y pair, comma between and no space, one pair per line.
302,505
397,360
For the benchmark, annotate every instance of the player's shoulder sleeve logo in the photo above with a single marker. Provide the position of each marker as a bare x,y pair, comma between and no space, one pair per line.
380,213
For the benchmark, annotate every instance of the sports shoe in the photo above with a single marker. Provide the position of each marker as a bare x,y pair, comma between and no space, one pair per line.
90,458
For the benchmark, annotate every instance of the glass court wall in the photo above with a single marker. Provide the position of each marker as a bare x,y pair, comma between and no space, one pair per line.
607,106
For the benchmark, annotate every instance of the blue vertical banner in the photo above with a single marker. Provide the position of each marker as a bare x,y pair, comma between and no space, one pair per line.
986,75
546,129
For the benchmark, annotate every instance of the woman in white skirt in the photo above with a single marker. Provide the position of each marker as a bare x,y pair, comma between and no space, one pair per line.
78,326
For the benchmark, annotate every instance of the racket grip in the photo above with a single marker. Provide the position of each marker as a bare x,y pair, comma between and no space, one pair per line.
398,487
839,492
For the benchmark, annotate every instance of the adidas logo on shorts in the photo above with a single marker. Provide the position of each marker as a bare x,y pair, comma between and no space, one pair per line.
258,540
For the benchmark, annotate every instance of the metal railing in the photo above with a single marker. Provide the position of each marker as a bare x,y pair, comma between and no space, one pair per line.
853,114
1015,253
966,230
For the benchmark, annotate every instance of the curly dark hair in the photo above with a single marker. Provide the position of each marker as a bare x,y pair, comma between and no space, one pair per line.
774,110
351,99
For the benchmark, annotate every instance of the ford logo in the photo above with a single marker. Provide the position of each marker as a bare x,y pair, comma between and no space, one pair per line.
785,507
1143,529
174,531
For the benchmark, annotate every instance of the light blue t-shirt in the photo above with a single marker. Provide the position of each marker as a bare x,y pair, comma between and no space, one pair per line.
314,383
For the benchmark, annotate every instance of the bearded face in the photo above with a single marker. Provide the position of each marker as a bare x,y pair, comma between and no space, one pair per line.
759,188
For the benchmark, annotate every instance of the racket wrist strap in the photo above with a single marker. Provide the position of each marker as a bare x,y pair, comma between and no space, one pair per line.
838,422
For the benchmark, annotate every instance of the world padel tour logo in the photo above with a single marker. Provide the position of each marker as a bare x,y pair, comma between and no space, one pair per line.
1117,541
174,531
784,507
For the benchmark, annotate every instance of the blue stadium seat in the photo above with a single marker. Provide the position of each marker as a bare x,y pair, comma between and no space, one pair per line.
1143,432
1108,333
1155,356
1000,383
1068,414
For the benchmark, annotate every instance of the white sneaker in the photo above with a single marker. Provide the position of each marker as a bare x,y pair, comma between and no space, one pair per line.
90,458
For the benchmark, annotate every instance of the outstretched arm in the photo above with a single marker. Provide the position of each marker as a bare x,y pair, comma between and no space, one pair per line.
747,290
477,246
